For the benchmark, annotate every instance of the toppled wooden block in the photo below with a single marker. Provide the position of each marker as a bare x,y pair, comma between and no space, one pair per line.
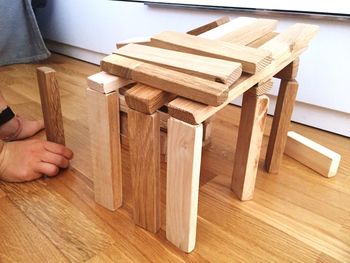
315,156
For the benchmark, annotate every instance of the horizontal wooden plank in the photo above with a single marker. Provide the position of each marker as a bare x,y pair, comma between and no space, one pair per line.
135,40
182,84
219,70
252,60
242,30
106,83
207,27
147,99
315,156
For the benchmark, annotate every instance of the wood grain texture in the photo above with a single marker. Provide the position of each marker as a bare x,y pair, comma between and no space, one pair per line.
290,72
313,155
242,30
296,216
261,89
204,28
146,99
51,104
213,69
198,89
281,120
252,60
104,129
144,147
183,169
2,194
106,83
67,228
250,135
21,244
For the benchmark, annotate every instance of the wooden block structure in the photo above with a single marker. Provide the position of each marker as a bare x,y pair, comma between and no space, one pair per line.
185,79
315,156
51,104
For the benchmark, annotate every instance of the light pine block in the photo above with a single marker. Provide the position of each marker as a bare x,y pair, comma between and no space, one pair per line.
250,135
207,27
183,170
106,83
280,125
104,127
144,148
313,155
51,104
290,72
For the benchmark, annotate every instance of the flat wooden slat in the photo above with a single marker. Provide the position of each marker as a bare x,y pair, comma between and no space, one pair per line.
51,104
315,156
252,60
104,129
261,89
198,89
250,135
219,70
242,30
146,99
144,147
106,83
280,125
183,169
135,40
204,28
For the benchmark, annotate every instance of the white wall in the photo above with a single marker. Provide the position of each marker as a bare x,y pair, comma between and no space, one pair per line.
90,28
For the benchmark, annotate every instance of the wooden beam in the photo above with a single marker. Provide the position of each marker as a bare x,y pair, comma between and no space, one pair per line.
204,28
198,89
242,30
250,135
213,69
135,40
146,99
104,128
313,155
183,169
252,60
51,104
144,147
290,72
261,89
106,83
280,125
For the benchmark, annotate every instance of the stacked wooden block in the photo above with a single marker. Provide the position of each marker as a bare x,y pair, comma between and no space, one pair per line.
176,82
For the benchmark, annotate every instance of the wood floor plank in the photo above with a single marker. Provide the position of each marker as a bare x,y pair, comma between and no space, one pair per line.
66,227
19,244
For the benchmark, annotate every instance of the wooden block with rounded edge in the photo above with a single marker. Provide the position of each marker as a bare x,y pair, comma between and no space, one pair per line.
182,84
311,154
146,99
213,69
51,104
106,83
252,60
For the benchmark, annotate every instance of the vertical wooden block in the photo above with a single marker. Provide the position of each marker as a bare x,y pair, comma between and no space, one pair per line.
104,126
144,148
184,161
283,113
51,104
250,135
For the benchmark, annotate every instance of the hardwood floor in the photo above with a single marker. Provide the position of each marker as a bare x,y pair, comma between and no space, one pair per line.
295,216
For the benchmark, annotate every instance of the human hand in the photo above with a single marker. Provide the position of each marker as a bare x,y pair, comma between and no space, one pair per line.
20,128
28,160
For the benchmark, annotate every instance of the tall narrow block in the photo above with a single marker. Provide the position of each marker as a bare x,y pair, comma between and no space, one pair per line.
104,126
51,104
184,161
144,147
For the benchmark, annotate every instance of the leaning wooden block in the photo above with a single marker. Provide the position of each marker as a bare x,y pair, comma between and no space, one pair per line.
219,70
51,104
252,60
106,83
315,156
182,84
